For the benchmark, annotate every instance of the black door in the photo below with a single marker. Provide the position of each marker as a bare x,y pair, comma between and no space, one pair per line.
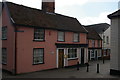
82,55
89,55
96,55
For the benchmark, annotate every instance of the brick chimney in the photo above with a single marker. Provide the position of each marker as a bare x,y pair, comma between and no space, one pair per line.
48,6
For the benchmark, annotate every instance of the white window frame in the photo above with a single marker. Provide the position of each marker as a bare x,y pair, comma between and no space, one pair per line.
38,54
61,36
76,53
39,31
107,39
4,56
4,32
76,37
92,52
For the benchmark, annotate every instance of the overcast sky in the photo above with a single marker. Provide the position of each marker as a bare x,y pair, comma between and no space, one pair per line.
86,11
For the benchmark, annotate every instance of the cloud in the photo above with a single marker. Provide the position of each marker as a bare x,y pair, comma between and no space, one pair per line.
103,0
102,18
70,2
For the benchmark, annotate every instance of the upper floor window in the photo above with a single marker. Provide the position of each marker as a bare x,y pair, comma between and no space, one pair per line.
72,53
61,36
99,43
107,39
103,39
93,43
4,56
38,55
76,37
39,34
4,32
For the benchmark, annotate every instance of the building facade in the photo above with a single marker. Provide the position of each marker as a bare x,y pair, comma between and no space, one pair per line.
103,29
115,43
34,40
94,44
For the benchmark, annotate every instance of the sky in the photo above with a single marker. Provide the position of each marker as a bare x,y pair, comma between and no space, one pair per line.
88,12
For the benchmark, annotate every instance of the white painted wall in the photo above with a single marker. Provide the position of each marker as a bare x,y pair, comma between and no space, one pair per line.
106,33
115,42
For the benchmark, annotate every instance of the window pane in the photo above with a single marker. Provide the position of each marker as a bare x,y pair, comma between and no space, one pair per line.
39,34
76,37
4,32
38,56
72,53
60,36
4,55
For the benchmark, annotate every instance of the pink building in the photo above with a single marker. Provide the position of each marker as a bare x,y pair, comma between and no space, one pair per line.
34,40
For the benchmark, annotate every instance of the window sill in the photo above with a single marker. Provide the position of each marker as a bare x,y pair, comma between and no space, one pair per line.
72,59
3,39
76,41
4,63
39,40
60,41
38,63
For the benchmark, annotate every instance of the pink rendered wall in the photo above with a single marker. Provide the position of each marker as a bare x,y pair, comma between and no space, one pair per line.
25,45
9,43
72,62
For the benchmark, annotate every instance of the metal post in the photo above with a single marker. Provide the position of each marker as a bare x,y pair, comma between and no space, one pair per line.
103,60
87,67
77,65
97,68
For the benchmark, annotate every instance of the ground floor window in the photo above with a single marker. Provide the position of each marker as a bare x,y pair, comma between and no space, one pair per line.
4,56
38,55
99,53
72,53
92,54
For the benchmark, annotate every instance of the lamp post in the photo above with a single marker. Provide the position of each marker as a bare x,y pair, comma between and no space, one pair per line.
103,45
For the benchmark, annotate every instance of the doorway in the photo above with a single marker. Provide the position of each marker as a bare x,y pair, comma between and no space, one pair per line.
96,55
60,58
82,55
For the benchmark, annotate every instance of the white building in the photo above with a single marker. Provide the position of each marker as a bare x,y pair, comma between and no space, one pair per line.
115,43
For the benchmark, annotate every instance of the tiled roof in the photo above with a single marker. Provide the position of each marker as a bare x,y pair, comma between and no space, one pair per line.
99,28
34,17
115,14
92,34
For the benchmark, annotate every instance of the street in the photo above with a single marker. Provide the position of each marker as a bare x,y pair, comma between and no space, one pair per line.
71,72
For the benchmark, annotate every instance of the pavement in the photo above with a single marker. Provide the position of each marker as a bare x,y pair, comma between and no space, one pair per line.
71,72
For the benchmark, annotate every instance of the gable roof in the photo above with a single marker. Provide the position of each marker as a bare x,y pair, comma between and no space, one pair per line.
99,28
27,16
115,14
92,34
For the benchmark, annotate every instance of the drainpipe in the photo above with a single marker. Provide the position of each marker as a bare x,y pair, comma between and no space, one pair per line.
15,62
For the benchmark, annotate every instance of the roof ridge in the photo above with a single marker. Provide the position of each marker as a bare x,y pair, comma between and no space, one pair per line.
38,9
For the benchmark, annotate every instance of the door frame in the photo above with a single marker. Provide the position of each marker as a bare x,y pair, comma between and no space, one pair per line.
57,57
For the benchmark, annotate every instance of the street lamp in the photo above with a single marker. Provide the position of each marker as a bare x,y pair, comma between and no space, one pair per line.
103,44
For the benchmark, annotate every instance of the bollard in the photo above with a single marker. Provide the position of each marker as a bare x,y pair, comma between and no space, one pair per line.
87,67
77,65
103,60
97,68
